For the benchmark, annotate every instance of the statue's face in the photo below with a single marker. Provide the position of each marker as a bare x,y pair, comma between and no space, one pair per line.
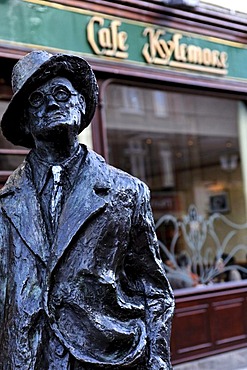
55,105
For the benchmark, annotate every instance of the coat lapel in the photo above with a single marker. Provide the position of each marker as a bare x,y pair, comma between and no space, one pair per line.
22,208
88,197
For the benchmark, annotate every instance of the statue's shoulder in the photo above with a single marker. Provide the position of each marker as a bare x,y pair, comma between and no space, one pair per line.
15,180
118,178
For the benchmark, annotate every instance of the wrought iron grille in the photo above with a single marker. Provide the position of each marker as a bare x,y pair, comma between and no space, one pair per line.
211,246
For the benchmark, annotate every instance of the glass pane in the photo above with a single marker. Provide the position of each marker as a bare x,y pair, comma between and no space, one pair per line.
186,148
9,162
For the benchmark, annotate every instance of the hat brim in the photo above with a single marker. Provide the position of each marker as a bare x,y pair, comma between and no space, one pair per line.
80,74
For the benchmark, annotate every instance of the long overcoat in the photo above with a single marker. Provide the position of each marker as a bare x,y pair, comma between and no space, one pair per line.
97,297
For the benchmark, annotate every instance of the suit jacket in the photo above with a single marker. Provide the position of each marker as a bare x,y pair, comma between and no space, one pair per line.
98,297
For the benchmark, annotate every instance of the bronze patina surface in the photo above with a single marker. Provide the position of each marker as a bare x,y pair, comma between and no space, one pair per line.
82,283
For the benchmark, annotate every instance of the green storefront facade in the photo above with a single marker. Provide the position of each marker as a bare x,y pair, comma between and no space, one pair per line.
28,24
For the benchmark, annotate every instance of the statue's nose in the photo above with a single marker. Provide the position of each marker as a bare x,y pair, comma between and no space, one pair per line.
51,101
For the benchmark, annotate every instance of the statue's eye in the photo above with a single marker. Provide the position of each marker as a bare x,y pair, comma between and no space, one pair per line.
61,93
36,99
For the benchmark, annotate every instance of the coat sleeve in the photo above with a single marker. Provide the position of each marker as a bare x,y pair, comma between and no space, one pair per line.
152,283
4,244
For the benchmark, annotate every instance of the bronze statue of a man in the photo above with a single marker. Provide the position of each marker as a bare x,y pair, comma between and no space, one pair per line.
82,285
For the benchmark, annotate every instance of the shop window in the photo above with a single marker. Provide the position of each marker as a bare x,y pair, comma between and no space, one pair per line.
188,150
10,155
159,103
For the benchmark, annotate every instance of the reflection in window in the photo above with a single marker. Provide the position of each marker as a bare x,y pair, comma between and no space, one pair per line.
10,155
132,100
159,103
186,148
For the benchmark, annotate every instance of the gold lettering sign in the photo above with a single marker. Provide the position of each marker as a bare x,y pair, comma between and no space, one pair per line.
176,54
108,41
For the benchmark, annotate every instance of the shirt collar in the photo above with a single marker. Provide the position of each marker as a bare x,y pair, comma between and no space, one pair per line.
41,168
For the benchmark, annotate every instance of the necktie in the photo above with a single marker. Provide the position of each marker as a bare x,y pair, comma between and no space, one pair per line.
56,197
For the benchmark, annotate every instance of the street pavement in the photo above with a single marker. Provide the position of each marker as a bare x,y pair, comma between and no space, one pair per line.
234,360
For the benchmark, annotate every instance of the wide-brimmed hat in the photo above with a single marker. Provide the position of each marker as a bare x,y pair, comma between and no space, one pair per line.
32,71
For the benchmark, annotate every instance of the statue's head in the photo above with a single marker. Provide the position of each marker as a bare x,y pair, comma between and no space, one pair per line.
36,69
